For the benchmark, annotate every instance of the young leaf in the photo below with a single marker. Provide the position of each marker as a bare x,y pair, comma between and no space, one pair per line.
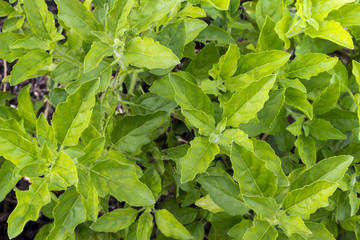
219,4
28,65
307,150
115,221
293,224
145,226
327,98
307,200
96,54
261,230
26,108
197,118
254,178
193,27
330,169
121,181
41,20
226,67
298,99
73,116
320,9
149,54
92,151
117,22
63,173
28,206
269,39
68,213
5,9
188,95
332,31
309,65
197,159
132,132
245,103
169,226
75,15
225,193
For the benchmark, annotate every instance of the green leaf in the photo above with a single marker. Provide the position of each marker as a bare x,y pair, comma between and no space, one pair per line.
269,39
319,231
63,173
89,195
305,201
273,9
96,54
26,108
28,65
73,116
320,9
204,61
225,193
28,206
117,22
263,206
193,27
149,54
5,9
208,204
330,169
214,33
68,213
121,181
197,118
92,151
75,15
309,65
266,115
307,150
169,226
265,152
200,154
327,98
226,67
9,177
219,4
115,221
245,103
258,65
190,96
15,145
347,15
254,178
145,226
6,40
298,99
261,230
356,71
152,179
65,72
41,20
238,230
293,224
332,31
150,103
323,130
45,133
132,132
173,36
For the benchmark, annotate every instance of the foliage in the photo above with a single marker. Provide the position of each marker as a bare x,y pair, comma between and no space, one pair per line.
255,136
